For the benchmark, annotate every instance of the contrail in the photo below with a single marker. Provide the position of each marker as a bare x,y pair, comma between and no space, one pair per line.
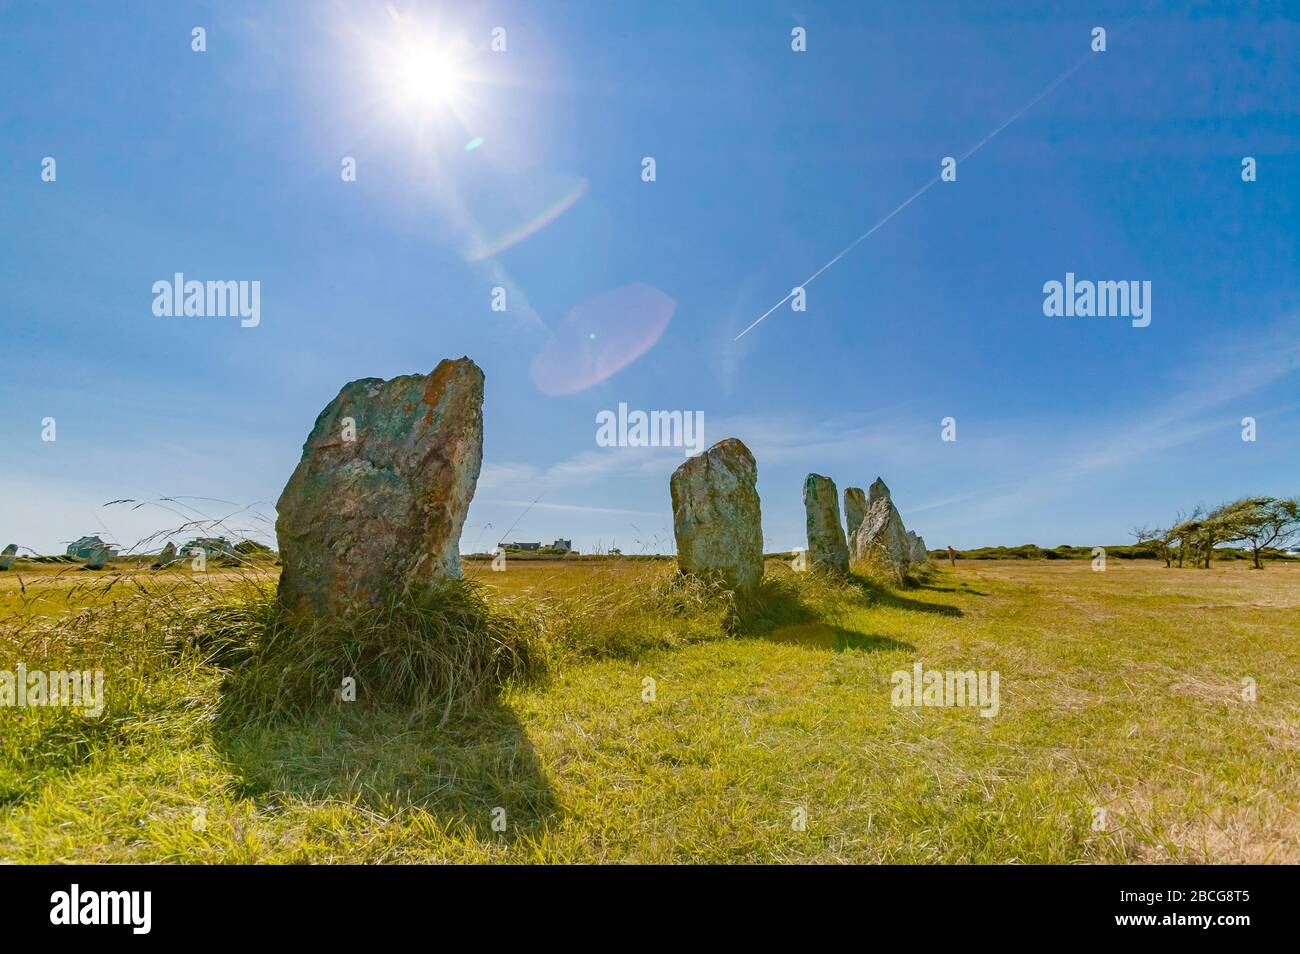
924,189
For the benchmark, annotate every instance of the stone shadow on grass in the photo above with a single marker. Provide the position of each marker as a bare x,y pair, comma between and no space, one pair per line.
962,589
779,614
460,773
931,579
878,595
834,638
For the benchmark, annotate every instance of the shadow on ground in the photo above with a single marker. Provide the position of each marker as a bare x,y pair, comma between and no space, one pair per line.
461,773
781,614
878,595
834,638
960,587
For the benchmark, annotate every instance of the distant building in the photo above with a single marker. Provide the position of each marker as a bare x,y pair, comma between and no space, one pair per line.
83,548
211,546
559,546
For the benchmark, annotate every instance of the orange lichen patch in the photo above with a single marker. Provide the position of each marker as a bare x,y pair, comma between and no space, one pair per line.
436,384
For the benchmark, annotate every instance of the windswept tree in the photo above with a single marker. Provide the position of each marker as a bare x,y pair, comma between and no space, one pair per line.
1157,539
1259,522
1220,525
1186,532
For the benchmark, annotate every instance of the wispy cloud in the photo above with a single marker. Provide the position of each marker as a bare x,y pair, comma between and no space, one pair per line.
1051,462
581,470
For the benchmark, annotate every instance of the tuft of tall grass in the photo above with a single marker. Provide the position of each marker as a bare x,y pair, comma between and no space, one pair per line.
437,653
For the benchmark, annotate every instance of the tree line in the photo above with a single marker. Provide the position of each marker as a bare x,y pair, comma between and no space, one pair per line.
1256,522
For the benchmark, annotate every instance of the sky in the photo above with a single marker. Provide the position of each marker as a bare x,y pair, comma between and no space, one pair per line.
523,169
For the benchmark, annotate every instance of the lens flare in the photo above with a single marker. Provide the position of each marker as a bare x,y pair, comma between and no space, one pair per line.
483,248
600,337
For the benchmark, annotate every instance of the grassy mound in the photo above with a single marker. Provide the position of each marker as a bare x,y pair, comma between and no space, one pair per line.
436,654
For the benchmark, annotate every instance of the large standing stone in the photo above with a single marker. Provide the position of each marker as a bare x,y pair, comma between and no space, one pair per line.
716,517
376,505
855,508
882,538
827,546
7,556
167,557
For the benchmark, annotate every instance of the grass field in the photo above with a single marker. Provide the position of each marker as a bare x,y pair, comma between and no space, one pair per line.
1120,691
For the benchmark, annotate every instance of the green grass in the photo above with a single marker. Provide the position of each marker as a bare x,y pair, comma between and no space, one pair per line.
1119,690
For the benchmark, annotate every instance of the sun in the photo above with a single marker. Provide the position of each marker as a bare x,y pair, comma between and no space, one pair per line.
425,79
423,75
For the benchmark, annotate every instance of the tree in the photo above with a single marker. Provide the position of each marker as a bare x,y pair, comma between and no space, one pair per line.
1186,531
1154,538
1260,522
1217,526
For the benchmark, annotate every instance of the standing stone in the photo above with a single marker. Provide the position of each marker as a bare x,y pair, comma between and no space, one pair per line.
877,491
882,538
827,546
97,559
919,554
855,508
7,556
375,507
167,557
716,517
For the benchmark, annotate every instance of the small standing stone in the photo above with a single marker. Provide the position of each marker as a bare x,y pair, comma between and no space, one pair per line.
882,538
827,546
7,556
167,557
855,509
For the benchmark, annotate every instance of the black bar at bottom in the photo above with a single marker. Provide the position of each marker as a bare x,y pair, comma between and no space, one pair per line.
301,904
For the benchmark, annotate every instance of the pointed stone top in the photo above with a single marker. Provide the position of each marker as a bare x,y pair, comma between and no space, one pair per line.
877,490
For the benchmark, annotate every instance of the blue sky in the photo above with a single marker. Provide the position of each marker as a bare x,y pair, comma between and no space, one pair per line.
225,165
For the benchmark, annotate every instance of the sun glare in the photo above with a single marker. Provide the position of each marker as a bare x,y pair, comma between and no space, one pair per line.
423,80
426,76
